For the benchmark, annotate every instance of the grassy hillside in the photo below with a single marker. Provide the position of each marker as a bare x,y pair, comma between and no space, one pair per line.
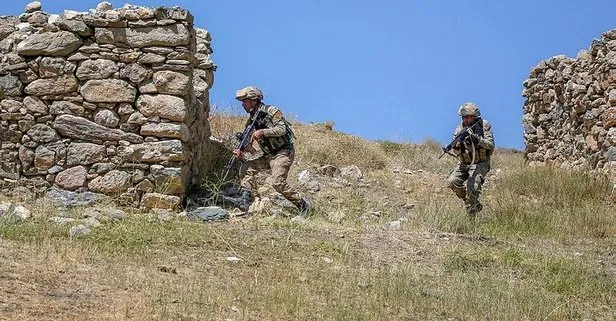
393,245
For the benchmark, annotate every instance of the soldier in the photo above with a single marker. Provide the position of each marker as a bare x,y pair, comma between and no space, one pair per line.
275,139
474,153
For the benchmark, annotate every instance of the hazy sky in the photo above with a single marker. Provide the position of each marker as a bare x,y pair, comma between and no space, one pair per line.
393,70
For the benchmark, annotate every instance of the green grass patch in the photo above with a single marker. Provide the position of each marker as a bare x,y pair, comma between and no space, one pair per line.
564,276
557,188
31,231
548,202
446,216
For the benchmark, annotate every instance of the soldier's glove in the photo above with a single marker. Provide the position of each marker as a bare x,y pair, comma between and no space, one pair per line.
238,136
472,136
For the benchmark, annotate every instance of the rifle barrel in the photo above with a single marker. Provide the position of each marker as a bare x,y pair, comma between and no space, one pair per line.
241,146
459,137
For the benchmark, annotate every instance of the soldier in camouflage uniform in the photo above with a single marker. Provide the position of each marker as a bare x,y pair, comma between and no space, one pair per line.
474,154
275,139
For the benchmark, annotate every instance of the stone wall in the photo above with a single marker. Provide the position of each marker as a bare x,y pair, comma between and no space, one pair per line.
113,101
570,109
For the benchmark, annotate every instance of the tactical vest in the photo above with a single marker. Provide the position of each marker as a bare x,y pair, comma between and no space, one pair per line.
272,145
466,149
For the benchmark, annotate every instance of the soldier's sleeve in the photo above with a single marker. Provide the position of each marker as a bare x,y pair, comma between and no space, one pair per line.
278,127
487,141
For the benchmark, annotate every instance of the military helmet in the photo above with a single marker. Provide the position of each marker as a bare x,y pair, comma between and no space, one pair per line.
469,109
249,93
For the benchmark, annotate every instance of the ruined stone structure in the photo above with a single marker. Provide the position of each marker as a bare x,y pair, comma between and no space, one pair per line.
570,109
113,101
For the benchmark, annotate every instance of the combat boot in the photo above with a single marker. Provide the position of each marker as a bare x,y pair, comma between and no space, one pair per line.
474,209
242,202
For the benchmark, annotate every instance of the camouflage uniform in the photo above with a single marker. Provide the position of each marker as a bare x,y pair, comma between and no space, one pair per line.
474,154
279,153
276,146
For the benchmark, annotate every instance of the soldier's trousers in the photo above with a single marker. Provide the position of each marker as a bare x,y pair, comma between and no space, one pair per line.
466,181
279,163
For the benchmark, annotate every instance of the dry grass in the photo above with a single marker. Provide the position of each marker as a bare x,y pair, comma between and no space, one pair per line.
543,249
226,121
318,144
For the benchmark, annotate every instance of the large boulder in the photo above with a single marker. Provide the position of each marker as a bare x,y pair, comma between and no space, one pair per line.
81,128
168,36
164,106
96,69
35,105
61,43
114,182
153,152
42,133
52,86
108,91
84,154
167,179
75,26
171,82
10,85
168,130
72,178
161,201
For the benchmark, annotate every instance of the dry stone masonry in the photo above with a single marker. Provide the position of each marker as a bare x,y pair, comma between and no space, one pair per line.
570,109
112,101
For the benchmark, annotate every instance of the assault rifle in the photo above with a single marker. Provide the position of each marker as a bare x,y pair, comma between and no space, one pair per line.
243,142
461,136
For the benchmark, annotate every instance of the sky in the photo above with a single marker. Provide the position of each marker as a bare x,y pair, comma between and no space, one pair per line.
393,70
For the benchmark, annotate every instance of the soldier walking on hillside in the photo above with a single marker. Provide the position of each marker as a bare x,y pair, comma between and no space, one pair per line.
474,154
275,138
